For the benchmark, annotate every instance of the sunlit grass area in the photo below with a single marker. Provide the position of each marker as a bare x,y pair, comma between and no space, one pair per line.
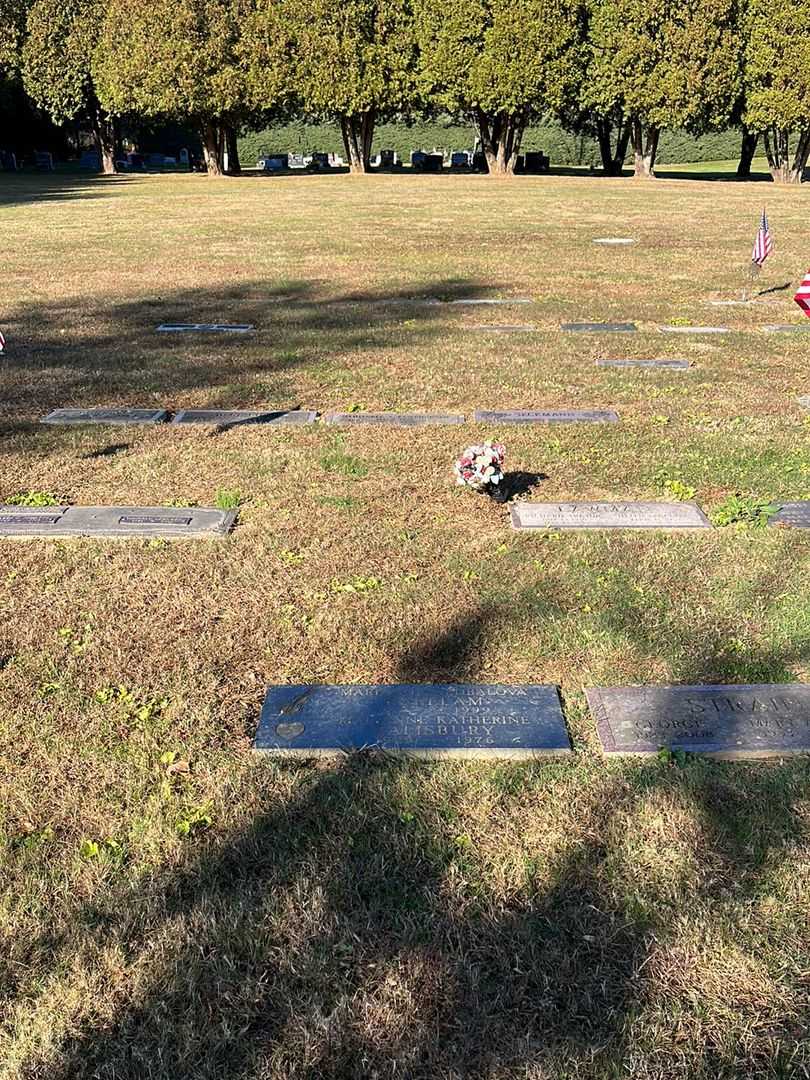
173,907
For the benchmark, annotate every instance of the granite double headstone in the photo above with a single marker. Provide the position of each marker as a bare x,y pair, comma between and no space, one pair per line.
440,720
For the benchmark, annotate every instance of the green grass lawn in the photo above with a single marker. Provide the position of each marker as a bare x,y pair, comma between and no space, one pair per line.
170,906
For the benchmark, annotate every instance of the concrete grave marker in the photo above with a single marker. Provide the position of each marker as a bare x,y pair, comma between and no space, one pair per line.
598,328
115,521
804,401
793,515
244,416
432,721
205,328
667,365
614,240
392,419
105,416
787,328
724,721
608,515
694,329
546,416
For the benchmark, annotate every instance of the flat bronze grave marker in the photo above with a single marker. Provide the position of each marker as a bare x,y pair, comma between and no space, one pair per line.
669,365
767,720
608,515
793,515
431,721
244,416
598,328
114,521
392,419
546,416
205,328
105,416
694,329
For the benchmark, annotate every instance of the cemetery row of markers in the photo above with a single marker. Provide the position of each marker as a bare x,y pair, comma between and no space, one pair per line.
503,328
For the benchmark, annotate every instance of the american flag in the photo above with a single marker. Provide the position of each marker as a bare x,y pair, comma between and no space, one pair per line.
763,245
802,296
2,341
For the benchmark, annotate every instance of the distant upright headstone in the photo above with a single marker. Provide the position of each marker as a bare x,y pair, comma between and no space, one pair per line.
767,720
91,160
608,515
184,156
424,720
43,161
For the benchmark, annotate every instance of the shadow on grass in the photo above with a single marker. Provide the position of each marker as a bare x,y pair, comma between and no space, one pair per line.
25,188
81,354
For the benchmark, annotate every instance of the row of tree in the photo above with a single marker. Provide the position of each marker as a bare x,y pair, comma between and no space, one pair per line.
620,70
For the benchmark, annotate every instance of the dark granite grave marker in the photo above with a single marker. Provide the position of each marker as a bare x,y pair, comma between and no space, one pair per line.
105,416
391,419
794,515
725,721
546,416
694,329
205,328
444,720
244,416
598,328
608,515
114,521
668,365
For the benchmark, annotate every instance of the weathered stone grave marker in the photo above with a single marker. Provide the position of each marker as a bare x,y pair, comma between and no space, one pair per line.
725,721
244,416
608,515
392,419
617,240
470,302
667,365
432,721
794,515
205,328
504,328
786,328
694,329
546,416
598,328
105,416
115,521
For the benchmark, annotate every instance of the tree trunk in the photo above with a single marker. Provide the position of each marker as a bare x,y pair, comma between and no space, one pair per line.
613,160
212,148
232,149
501,135
747,151
645,147
783,168
358,135
106,138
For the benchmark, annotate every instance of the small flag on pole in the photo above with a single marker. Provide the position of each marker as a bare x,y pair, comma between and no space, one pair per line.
2,341
802,296
763,245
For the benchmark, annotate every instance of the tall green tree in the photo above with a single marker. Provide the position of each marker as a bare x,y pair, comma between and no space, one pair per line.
777,83
352,62
662,63
501,63
58,60
178,59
